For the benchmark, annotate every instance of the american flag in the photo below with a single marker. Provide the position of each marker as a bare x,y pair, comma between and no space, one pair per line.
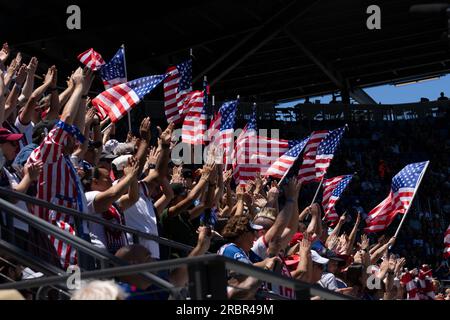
255,154
176,86
332,190
224,138
92,59
325,151
447,243
194,124
282,166
114,72
307,171
404,185
120,99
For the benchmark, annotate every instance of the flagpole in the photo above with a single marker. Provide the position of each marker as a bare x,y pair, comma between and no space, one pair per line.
410,205
317,191
126,76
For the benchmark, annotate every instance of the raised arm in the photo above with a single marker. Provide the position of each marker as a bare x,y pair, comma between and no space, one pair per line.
380,251
165,199
27,89
284,217
105,199
352,237
65,95
12,69
54,109
27,113
130,198
2,98
12,100
4,54
82,79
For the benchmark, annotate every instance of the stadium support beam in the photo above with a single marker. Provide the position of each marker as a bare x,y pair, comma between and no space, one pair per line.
254,40
336,77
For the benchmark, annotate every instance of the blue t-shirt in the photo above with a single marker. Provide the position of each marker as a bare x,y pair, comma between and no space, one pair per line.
232,251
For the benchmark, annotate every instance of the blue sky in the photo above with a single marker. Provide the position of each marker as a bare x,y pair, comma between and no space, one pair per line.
390,94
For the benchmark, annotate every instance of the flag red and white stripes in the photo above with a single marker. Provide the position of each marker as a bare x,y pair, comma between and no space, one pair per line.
283,164
176,87
332,190
91,59
255,154
307,171
57,185
404,185
194,124
120,99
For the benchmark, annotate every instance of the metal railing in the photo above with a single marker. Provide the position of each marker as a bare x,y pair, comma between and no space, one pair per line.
82,245
92,218
211,285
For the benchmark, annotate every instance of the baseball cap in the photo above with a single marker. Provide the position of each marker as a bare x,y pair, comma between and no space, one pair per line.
124,149
105,156
330,255
110,145
317,258
121,162
6,135
298,236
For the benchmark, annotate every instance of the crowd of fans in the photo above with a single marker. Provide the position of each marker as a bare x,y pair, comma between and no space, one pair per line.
54,149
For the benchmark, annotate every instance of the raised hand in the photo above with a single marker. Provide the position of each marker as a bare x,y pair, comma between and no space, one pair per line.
21,75
392,263
69,81
152,156
227,177
33,170
364,244
305,246
399,264
90,116
176,175
332,242
274,190
32,66
4,53
166,136
144,130
259,200
132,168
204,237
240,192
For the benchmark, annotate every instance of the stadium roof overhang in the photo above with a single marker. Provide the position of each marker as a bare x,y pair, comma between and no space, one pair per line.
263,50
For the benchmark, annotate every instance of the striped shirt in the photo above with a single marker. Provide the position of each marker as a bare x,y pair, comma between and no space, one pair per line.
59,184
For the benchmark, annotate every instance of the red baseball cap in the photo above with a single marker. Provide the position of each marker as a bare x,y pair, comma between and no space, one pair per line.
298,236
6,135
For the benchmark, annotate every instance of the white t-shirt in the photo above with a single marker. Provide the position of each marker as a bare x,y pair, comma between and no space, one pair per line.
96,231
27,130
141,216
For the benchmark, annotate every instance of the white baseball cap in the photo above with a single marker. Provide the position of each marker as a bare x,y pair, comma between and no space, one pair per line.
317,258
121,162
